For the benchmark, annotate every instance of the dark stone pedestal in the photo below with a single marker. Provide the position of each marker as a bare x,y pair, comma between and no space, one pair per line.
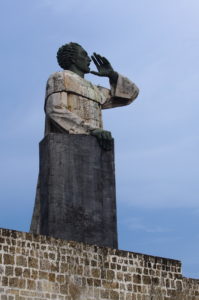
76,194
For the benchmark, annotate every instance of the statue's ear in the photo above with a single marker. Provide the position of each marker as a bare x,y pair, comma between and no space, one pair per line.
72,61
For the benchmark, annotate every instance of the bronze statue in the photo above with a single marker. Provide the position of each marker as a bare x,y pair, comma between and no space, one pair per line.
73,105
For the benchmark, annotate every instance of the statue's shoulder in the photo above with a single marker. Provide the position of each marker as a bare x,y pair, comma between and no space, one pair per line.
60,75
60,81
68,81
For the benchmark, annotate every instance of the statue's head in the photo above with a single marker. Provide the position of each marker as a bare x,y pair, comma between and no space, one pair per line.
73,57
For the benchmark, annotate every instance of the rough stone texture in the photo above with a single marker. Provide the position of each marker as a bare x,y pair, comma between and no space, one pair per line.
77,190
38,267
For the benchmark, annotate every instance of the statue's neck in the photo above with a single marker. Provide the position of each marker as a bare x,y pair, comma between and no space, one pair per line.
74,69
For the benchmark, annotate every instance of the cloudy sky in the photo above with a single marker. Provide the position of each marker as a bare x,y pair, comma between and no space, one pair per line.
156,44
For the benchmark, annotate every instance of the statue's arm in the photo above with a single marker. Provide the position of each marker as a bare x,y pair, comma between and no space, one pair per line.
123,92
56,110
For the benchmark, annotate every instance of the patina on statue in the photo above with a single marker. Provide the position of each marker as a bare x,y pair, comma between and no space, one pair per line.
75,197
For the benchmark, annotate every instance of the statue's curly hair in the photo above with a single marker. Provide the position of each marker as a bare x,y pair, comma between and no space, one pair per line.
66,53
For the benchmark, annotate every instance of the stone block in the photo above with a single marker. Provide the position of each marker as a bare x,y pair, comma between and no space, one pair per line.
32,262
4,281
26,273
51,277
127,277
95,273
18,271
8,259
136,278
146,279
21,261
110,274
31,284
43,275
114,295
90,281
34,274
9,271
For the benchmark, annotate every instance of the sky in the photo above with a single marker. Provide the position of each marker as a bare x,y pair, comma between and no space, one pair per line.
154,43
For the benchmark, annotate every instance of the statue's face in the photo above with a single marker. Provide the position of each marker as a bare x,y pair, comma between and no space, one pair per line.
82,60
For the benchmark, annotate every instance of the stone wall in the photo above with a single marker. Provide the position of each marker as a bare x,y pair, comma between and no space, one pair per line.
38,267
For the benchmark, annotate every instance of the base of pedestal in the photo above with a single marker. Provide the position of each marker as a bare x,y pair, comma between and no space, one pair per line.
76,191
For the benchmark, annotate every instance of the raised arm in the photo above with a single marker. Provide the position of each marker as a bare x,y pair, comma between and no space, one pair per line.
123,91
104,68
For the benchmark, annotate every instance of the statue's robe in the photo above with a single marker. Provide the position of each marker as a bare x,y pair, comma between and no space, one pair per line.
73,105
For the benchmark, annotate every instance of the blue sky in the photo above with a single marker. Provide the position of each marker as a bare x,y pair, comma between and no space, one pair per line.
156,44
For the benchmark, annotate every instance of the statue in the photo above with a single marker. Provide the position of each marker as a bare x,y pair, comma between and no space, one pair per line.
73,107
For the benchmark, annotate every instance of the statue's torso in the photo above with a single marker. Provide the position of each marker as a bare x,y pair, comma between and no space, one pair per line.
77,95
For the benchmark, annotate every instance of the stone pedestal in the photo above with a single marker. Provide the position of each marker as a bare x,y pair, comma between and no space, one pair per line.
76,192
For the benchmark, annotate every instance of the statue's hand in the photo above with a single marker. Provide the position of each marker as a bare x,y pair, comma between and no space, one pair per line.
104,138
103,66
